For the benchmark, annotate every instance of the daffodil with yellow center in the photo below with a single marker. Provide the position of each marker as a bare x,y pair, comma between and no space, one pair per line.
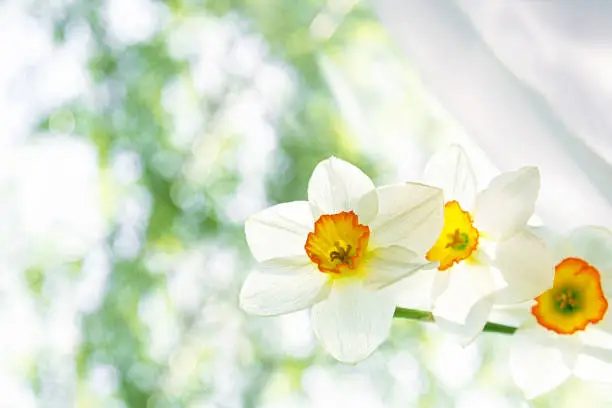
458,240
568,322
341,253
485,254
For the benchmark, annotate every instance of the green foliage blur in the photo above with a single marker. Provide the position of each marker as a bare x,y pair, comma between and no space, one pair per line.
131,79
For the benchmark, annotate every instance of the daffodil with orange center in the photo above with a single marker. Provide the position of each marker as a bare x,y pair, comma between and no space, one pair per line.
568,321
341,253
338,244
485,253
575,300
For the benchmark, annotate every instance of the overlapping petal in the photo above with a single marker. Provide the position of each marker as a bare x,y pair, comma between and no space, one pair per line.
354,320
595,365
390,264
537,364
473,323
507,203
602,354
526,264
283,285
467,285
279,231
336,186
410,215
450,170
414,292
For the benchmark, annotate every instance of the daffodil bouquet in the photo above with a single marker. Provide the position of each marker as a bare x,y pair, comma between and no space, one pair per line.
344,252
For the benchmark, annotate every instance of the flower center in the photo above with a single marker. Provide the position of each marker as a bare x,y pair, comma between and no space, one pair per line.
566,301
457,240
342,254
575,300
338,243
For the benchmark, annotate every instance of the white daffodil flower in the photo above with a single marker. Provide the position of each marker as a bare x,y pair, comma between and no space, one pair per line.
569,326
339,252
485,252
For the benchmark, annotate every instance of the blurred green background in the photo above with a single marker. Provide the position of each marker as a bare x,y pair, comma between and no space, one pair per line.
136,137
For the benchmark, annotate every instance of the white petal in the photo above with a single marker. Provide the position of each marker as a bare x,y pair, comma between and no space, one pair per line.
390,264
561,246
600,353
594,245
506,205
474,322
597,343
367,207
337,186
537,367
468,284
420,290
450,170
353,321
569,346
410,215
526,264
440,283
279,231
414,292
595,365
283,285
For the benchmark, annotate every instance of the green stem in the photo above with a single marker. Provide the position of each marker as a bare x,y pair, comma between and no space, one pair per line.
425,316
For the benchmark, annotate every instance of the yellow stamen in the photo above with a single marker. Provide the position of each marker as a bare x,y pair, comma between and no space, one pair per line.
342,253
